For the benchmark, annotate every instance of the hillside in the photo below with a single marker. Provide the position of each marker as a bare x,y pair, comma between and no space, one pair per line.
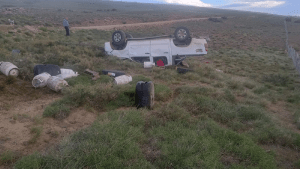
244,116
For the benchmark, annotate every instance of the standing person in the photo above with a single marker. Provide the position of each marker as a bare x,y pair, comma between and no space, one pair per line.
66,25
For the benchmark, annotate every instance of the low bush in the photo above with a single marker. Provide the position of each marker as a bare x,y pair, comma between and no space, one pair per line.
277,79
111,142
8,157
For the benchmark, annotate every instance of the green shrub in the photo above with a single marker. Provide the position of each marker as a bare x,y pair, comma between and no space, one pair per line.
59,109
250,113
219,85
229,96
297,119
44,29
294,98
235,85
8,157
277,79
184,144
193,91
172,112
260,90
249,85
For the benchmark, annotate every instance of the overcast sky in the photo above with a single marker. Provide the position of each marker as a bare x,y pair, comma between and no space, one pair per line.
280,7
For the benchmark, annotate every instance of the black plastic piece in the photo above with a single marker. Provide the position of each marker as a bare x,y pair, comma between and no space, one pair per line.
53,70
114,73
182,70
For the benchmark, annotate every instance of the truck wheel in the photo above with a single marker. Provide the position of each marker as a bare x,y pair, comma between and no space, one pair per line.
118,37
182,34
128,36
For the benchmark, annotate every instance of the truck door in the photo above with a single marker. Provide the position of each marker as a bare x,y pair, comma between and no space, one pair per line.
139,50
160,50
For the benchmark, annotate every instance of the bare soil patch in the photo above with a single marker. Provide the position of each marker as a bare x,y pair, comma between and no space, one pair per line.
21,109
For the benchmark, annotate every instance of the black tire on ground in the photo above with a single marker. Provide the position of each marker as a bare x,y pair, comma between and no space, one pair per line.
118,37
151,94
128,35
144,94
182,34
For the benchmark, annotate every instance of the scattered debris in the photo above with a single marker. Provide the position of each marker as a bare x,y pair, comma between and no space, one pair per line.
114,73
160,63
144,94
53,70
182,70
67,73
93,73
9,69
56,83
40,80
183,63
11,22
219,70
15,51
124,79
148,65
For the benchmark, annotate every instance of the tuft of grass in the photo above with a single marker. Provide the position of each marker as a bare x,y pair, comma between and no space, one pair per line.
36,131
229,96
260,90
293,98
10,80
2,87
249,85
8,157
297,119
277,79
38,120
197,145
44,29
250,113
234,85
162,92
59,109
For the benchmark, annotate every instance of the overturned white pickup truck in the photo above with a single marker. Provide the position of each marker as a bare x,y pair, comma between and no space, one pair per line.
172,50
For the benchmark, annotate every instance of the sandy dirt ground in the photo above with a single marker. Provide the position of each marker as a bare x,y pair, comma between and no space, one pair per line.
21,109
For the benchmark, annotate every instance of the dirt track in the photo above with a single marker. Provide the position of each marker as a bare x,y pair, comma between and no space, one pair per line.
109,27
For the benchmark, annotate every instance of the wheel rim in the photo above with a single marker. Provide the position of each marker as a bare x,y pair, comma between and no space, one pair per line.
117,37
181,34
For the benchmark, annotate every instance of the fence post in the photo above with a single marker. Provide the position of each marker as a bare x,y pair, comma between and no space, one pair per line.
291,51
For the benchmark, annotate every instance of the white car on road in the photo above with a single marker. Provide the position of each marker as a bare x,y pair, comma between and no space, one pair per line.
172,50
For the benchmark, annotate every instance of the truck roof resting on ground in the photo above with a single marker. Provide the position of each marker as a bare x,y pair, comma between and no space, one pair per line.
172,50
